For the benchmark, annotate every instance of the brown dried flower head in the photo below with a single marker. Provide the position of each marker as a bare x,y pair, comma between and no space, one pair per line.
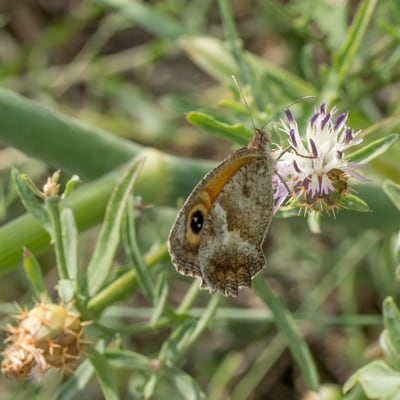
47,336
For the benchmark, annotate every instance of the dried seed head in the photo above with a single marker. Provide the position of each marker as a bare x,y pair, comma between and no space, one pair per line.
48,336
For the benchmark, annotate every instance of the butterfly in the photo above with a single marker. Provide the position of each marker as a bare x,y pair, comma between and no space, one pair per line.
221,227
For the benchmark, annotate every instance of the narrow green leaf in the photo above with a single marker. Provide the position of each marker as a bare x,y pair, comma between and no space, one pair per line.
70,242
70,186
34,274
288,328
76,383
128,360
263,364
132,250
392,191
390,29
104,375
148,17
201,325
177,340
184,384
377,379
27,180
391,318
354,203
389,349
374,149
246,73
160,298
203,322
107,243
237,132
190,297
354,38
150,386
30,201
224,373
356,393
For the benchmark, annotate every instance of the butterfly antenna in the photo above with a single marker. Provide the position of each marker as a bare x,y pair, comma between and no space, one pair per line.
244,100
300,100
290,105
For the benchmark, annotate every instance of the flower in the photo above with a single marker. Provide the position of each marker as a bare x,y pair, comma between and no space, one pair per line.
47,336
51,188
313,171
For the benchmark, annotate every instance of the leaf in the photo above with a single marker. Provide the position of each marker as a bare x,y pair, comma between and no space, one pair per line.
108,240
128,360
148,17
29,199
392,191
70,186
160,298
133,252
288,328
34,274
201,325
246,73
76,383
391,317
389,349
377,379
374,149
70,242
104,374
66,289
237,132
354,38
184,384
354,203
186,334
177,340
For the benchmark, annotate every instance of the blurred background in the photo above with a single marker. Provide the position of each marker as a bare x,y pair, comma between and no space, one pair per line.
134,69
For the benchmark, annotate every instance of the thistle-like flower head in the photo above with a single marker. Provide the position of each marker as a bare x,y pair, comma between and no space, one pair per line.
314,171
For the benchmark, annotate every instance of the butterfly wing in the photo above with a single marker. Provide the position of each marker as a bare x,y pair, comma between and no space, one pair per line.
187,232
239,218
219,231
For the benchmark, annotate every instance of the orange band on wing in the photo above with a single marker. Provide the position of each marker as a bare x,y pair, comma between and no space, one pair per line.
224,174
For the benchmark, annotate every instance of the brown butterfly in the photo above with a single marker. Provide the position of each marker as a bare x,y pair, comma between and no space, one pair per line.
220,229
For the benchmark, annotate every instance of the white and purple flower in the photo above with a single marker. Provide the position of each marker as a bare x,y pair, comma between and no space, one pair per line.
314,171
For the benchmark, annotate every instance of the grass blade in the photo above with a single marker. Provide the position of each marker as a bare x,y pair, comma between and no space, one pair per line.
288,328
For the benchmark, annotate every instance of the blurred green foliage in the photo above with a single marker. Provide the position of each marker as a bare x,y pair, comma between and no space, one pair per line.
108,80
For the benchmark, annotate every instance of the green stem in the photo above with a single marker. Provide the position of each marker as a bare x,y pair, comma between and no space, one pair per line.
117,289
202,324
190,297
54,215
